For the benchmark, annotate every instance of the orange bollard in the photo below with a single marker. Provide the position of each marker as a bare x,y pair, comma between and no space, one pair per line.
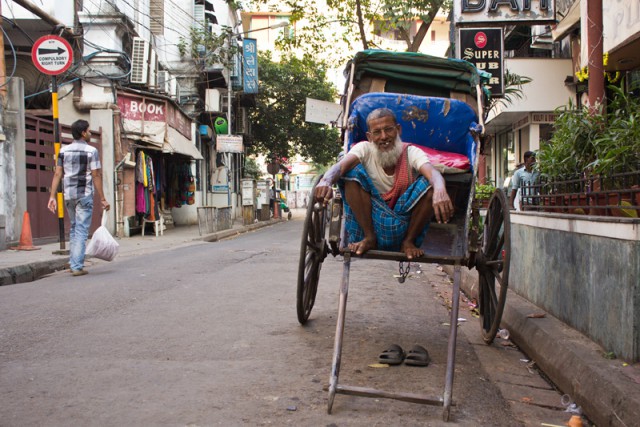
26,240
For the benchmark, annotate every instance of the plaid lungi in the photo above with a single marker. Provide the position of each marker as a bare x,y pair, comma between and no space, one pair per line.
390,225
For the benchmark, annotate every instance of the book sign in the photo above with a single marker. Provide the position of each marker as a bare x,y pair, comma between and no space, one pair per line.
52,55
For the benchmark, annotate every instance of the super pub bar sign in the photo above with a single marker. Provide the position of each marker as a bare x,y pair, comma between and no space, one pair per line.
484,48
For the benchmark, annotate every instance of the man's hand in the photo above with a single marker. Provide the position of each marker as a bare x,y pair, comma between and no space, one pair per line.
105,205
442,205
52,205
323,192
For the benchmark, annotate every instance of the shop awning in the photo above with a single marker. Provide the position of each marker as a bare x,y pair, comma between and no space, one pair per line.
568,23
176,143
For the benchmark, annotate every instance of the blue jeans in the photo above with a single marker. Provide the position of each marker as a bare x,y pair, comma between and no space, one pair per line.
80,211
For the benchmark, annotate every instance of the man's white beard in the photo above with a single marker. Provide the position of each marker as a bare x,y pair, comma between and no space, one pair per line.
386,159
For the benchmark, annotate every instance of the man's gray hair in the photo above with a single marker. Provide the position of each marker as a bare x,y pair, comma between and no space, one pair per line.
380,113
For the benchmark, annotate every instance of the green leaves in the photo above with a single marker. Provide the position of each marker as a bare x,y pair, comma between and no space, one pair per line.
598,143
207,48
278,124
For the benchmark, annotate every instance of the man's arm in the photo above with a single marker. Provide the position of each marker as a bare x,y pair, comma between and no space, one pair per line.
323,191
55,183
442,205
97,185
512,199
515,184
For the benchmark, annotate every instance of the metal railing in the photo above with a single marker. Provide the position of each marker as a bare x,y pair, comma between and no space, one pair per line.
613,195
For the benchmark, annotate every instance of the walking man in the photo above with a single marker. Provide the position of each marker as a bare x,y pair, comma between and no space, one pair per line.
387,207
79,164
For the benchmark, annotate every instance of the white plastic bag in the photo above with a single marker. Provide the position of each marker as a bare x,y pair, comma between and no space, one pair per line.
102,244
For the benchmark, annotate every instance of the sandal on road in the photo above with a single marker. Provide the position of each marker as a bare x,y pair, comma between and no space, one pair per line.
417,356
394,355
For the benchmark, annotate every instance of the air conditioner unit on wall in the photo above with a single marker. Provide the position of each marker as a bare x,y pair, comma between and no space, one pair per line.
153,67
139,61
164,79
174,88
213,101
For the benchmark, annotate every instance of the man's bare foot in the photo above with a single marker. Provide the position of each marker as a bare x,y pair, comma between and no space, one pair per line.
411,250
362,246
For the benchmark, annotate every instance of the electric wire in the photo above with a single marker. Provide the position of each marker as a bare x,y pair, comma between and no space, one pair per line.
15,59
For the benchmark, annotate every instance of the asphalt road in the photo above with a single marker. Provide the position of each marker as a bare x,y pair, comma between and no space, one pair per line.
207,334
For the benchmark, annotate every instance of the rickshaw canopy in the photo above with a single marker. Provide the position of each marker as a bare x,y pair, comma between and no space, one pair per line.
415,73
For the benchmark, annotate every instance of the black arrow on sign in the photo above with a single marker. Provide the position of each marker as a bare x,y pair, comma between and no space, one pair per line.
43,51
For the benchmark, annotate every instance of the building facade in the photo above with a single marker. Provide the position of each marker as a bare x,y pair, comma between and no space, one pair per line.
141,83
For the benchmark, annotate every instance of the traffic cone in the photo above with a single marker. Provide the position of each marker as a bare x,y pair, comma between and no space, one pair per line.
26,241
575,421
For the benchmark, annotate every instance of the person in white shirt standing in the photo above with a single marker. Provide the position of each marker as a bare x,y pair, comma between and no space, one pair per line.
523,177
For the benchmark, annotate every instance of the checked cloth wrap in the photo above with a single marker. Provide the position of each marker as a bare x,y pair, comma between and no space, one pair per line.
390,225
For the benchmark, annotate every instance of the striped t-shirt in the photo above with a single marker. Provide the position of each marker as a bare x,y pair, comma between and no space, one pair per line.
78,160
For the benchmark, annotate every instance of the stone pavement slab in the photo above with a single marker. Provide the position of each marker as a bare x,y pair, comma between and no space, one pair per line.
607,390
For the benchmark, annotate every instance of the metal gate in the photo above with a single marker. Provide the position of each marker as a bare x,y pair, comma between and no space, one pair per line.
40,167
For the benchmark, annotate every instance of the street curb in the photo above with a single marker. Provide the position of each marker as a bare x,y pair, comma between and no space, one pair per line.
572,361
31,272
224,234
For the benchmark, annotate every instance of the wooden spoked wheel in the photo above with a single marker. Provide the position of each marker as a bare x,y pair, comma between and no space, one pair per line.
313,251
492,263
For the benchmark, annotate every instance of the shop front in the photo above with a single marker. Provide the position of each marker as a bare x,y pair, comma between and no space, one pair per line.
157,183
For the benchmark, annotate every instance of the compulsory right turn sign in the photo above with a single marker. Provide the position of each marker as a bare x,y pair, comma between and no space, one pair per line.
52,55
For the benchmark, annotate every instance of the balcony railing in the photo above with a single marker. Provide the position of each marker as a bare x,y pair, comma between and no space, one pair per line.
614,195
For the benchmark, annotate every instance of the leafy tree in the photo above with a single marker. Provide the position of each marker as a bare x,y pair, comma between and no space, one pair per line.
278,121
208,48
331,29
251,169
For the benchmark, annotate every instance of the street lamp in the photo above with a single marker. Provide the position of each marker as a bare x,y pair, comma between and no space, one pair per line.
229,88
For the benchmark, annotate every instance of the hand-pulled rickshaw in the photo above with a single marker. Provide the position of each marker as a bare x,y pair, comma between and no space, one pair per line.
437,102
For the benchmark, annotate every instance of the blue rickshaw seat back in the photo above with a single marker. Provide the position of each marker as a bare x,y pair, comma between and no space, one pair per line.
441,124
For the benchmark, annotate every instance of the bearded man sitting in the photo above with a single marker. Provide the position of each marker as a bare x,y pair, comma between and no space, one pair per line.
391,190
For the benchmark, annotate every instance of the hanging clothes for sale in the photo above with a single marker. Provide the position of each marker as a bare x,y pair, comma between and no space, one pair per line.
146,197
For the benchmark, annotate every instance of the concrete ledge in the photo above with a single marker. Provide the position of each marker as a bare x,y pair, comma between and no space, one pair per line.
30,272
605,389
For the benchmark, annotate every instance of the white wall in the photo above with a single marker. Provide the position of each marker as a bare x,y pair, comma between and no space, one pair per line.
547,91
60,9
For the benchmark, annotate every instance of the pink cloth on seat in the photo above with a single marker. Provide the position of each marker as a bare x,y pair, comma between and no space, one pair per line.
453,162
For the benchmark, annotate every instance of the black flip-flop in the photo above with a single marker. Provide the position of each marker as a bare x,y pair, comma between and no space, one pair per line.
417,356
393,355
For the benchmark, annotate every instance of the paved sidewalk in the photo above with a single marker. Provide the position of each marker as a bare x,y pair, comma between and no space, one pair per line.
607,390
27,266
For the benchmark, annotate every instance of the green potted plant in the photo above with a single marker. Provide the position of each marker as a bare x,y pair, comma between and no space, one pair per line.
483,193
593,147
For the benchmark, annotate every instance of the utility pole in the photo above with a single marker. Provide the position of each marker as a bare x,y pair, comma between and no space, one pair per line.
594,42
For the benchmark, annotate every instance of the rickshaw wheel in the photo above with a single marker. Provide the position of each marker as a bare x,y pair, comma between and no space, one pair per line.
313,251
492,263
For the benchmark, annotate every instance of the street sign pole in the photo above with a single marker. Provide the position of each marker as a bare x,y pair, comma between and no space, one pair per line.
52,55
56,145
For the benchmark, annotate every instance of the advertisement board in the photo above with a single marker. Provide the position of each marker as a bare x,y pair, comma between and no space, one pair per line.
484,48
248,192
229,144
473,12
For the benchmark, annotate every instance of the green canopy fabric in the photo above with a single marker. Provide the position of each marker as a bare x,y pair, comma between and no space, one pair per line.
417,73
